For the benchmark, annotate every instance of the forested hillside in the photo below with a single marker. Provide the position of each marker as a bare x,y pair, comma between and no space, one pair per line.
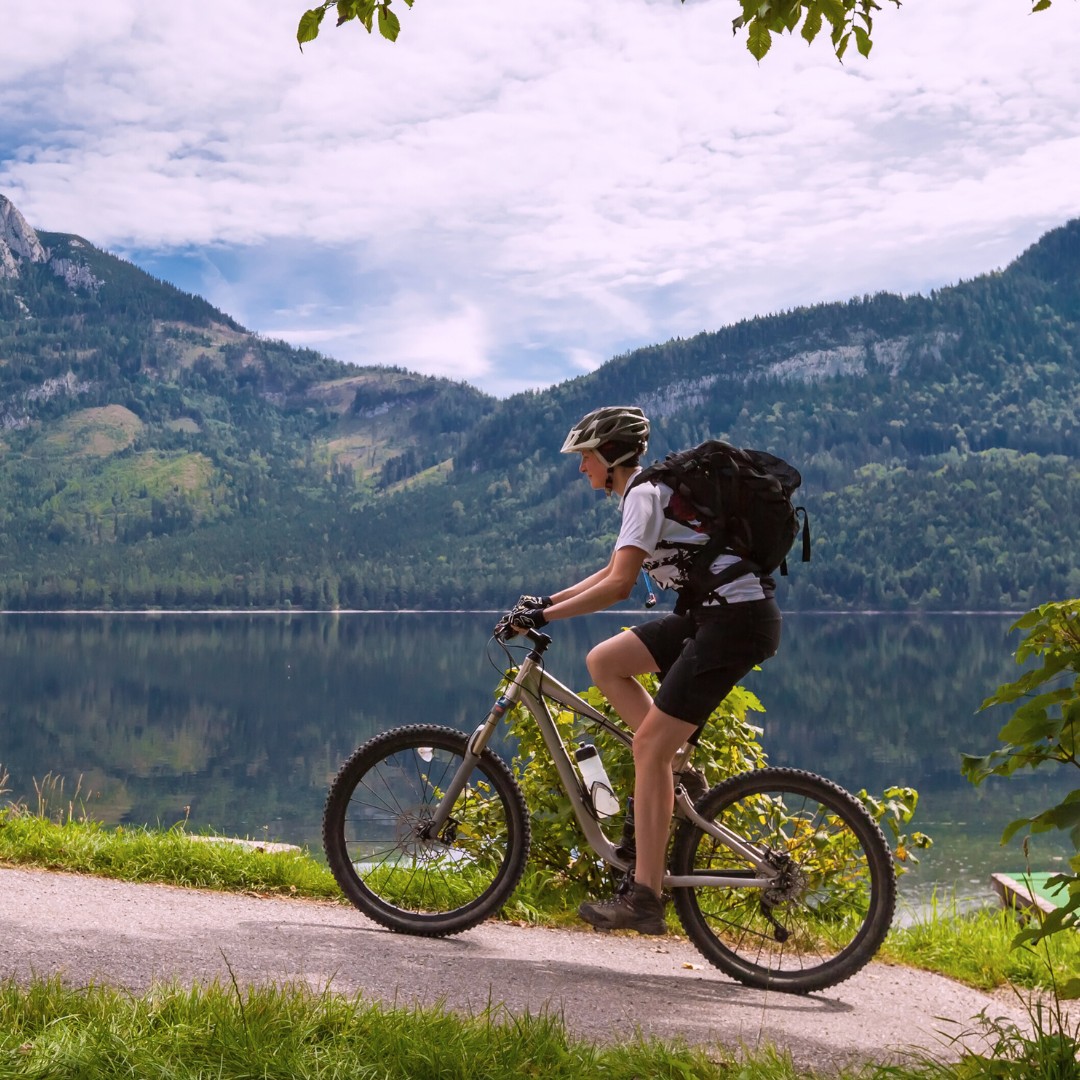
154,453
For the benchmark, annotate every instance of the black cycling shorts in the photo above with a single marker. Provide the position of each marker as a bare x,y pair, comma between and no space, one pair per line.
701,656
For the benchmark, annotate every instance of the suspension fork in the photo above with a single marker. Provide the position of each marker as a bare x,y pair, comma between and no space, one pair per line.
476,745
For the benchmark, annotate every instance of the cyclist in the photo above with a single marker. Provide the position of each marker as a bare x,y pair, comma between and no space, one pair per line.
700,651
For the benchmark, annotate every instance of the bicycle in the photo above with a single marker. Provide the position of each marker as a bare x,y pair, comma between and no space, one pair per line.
779,877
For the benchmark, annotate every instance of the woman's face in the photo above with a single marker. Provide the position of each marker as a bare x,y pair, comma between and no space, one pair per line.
594,469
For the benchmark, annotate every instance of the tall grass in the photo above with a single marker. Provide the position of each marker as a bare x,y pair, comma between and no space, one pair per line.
976,948
49,1031
56,834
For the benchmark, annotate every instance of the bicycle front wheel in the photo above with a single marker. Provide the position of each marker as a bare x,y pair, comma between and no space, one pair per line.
831,903
390,863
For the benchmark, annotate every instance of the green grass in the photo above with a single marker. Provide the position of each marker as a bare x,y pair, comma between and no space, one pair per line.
173,857
975,948
52,1032
49,1031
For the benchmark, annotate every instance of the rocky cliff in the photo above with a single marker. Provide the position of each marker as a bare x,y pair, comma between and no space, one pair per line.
19,243
17,240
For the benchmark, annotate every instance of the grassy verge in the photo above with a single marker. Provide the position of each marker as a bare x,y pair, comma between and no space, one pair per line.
175,857
975,948
172,857
52,1032
47,1030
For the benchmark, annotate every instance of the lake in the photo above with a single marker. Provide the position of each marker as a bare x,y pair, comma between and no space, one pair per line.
237,722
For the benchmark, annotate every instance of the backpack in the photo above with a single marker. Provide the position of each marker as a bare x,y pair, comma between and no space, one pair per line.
741,499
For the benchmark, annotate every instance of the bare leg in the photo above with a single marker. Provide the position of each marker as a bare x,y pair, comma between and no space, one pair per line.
656,742
657,738
613,665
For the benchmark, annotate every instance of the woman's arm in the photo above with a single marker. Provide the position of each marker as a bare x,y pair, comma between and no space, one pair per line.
585,583
602,589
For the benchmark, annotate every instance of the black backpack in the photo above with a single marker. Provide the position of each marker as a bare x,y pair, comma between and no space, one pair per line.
742,500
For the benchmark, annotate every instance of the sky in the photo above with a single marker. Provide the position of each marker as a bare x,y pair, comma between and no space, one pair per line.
513,192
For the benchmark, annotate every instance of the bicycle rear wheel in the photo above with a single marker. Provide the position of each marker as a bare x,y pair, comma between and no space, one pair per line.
831,904
378,842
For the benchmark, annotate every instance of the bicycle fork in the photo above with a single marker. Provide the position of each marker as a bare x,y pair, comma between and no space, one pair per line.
477,743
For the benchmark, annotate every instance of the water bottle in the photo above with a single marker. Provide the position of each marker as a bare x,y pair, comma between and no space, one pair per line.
596,780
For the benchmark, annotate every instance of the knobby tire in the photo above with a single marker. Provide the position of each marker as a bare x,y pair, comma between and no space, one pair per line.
385,862
834,906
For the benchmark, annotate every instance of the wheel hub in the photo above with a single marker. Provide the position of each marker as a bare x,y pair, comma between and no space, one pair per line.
415,840
789,883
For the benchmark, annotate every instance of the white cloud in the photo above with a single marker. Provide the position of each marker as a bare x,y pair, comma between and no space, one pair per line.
511,191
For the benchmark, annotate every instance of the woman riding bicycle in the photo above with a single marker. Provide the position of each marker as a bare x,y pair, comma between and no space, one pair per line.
700,651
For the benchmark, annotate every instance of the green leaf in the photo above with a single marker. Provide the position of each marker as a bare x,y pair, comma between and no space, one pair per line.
1010,692
812,26
1013,828
389,26
836,13
862,41
365,12
759,40
308,30
1041,5
1029,725
975,765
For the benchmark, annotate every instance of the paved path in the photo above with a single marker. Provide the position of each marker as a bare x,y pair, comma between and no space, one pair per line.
87,928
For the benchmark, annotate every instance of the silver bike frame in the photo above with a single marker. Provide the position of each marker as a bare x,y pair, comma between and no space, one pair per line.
532,686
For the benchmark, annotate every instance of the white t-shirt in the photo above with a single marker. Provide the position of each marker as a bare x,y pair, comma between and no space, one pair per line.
665,543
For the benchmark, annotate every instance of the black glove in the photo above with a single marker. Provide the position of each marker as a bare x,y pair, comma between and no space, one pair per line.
534,601
528,616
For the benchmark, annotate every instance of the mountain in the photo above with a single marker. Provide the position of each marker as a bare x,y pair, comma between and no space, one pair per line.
155,453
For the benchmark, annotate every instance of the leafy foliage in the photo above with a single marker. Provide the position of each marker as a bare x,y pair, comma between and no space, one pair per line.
893,811
366,12
1044,729
728,746
845,19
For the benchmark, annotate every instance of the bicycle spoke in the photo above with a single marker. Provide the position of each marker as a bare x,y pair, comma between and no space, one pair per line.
377,822
833,891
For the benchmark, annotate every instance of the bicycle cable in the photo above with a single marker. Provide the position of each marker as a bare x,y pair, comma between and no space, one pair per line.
511,659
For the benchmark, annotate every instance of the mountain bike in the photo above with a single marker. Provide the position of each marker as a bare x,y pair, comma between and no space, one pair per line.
779,877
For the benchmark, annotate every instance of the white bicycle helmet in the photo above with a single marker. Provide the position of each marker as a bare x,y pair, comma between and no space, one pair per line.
624,425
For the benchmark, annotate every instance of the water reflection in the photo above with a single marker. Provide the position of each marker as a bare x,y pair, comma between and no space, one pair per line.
238,722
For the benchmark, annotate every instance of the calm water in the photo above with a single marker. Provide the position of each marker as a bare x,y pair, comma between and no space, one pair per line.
238,722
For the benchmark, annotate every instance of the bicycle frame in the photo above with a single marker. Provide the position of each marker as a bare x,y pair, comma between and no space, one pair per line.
533,687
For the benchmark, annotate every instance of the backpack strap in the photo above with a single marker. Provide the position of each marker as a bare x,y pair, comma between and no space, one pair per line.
702,580
805,532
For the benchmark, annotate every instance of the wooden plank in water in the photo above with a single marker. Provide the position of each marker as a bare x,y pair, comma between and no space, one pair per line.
1025,891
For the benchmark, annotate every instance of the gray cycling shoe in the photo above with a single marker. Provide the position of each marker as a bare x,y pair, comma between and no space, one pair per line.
634,908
